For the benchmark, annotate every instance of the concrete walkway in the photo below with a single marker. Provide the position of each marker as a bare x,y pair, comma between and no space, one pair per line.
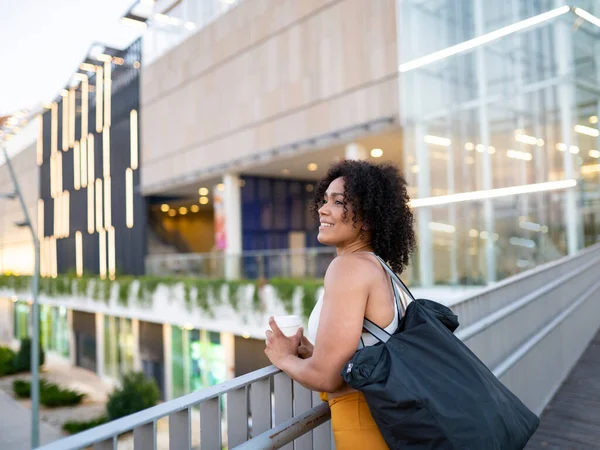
15,426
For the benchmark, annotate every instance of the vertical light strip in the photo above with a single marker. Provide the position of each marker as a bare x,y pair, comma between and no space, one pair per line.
111,253
79,253
133,125
65,120
54,258
52,176
40,141
107,203
76,167
40,219
59,173
129,197
99,205
72,102
90,209
85,95
107,91
43,257
58,215
90,159
54,129
102,253
66,207
84,165
106,151
99,99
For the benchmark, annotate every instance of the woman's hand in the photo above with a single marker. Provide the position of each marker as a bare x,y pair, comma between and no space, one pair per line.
280,347
305,350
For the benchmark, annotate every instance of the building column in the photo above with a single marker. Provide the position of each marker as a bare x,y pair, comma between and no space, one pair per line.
484,136
563,42
356,151
233,225
135,331
168,361
100,344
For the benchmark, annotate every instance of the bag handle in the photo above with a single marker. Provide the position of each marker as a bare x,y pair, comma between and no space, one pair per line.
394,276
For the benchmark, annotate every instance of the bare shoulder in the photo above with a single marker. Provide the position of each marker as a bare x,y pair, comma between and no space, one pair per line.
352,270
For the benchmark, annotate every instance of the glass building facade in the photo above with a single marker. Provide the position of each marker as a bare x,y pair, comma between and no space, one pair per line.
499,107
118,347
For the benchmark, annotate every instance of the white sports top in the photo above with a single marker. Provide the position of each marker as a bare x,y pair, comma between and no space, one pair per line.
366,338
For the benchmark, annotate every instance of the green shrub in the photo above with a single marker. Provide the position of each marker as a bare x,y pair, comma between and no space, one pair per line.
137,394
74,426
51,395
22,361
7,361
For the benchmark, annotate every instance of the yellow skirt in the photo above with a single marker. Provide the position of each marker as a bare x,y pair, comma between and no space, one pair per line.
352,424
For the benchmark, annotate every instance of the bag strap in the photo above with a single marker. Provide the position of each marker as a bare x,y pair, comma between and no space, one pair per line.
377,332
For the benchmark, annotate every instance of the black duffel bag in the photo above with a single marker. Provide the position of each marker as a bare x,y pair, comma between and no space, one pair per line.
427,390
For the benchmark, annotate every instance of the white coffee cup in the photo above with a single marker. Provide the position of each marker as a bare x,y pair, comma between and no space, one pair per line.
288,324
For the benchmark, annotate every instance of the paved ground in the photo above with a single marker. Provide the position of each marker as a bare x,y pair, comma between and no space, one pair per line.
15,426
571,421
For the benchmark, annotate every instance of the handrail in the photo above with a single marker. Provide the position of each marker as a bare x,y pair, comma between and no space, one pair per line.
128,423
289,430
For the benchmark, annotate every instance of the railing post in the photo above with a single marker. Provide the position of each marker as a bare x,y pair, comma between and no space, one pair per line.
302,403
210,424
144,437
260,406
283,402
180,430
237,417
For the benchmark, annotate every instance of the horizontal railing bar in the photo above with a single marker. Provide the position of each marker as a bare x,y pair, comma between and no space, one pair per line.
249,253
518,354
132,421
289,430
483,324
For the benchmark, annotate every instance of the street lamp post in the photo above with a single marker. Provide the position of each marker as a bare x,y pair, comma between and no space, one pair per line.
35,338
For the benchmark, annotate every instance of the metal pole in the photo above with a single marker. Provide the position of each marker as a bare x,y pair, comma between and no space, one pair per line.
35,338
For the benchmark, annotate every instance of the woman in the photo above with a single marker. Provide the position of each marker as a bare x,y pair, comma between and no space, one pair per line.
362,209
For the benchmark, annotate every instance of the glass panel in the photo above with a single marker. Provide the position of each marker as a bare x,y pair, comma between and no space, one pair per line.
177,361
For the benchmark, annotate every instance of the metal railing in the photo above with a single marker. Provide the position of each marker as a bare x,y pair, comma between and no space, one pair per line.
265,406
261,264
529,329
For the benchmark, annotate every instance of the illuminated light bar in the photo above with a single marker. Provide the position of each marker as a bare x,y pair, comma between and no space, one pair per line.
65,121
483,39
529,140
76,167
66,210
54,129
87,67
516,154
107,203
85,95
99,99
133,125
40,219
129,197
52,176
111,253
437,140
442,227
90,208
594,154
492,193
104,57
54,258
99,227
90,159
59,173
107,92
79,253
587,16
589,131
106,151
40,141
102,253
84,163
72,99
57,216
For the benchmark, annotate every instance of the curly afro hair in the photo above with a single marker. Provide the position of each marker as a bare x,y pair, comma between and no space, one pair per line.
378,196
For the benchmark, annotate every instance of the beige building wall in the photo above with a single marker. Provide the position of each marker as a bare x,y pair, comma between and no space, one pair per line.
16,244
266,74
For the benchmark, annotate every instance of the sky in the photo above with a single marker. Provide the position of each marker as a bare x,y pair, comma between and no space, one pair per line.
42,43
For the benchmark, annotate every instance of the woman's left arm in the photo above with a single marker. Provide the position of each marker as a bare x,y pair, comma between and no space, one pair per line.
347,284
